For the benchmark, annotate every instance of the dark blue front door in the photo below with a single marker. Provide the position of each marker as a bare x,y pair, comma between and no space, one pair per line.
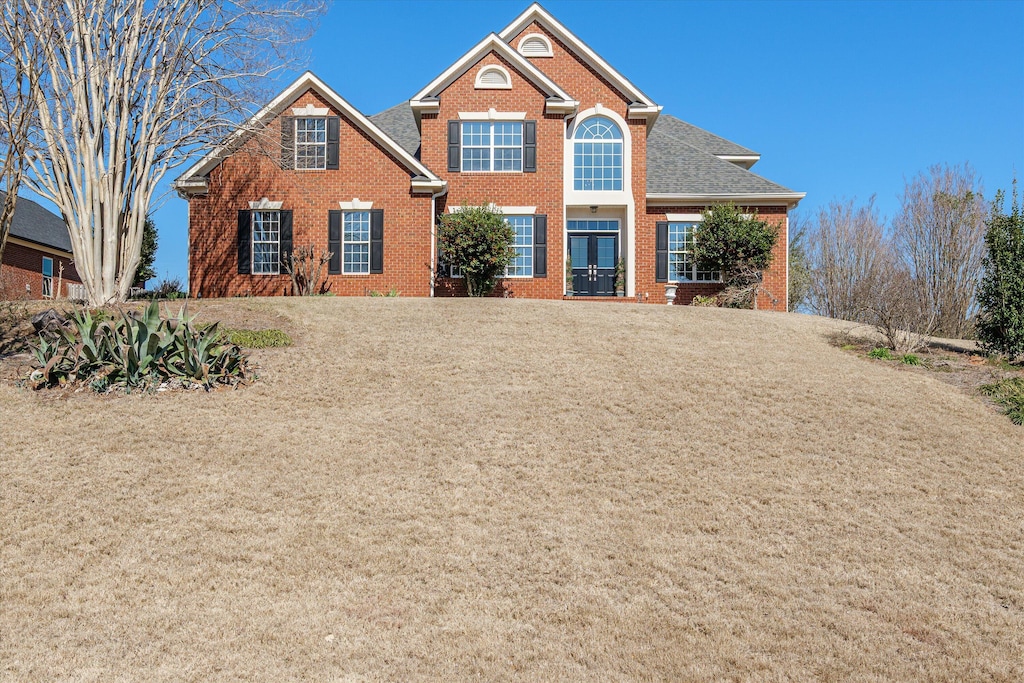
593,263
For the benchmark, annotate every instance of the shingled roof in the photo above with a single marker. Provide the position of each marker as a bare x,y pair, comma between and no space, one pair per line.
681,158
36,224
399,124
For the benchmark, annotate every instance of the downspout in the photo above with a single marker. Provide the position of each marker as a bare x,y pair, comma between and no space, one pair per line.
433,236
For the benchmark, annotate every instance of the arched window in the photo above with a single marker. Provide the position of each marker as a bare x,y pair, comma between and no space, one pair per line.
597,162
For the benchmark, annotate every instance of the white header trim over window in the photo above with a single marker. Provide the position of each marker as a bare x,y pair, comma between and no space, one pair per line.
683,217
493,77
535,45
265,205
310,110
355,205
492,115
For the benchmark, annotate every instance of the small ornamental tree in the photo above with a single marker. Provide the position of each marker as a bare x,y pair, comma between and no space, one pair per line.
737,245
1001,293
147,256
477,241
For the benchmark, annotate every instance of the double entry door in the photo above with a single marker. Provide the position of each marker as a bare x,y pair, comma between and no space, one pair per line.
593,257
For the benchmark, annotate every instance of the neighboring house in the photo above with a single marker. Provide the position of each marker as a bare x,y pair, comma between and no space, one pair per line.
37,261
585,166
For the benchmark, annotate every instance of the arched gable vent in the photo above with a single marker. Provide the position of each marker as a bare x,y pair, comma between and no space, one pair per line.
535,45
493,77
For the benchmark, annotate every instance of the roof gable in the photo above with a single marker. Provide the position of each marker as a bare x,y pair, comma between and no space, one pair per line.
425,99
307,81
536,13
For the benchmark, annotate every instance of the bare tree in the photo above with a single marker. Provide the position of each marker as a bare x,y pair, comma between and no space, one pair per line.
127,90
940,234
16,115
844,249
891,304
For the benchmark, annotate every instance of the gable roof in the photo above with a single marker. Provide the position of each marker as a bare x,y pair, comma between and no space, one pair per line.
492,43
400,125
536,13
195,176
34,223
677,170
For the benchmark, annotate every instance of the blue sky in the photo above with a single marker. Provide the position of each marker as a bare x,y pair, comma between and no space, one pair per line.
841,99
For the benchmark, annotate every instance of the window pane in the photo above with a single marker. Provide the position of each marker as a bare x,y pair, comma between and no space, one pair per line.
266,235
356,238
311,143
522,264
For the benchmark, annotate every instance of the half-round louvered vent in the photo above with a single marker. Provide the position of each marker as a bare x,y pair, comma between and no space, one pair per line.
493,77
535,45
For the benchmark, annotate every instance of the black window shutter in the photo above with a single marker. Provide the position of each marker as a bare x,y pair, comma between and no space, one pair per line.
377,241
530,146
661,252
540,245
244,242
333,134
288,142
454,146
285,245
334,242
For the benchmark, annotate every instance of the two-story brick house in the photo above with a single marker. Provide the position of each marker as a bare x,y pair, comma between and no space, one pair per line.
584,165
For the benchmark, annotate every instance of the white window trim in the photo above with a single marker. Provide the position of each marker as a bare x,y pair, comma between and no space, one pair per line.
506,211
310,111
478,83
492,115
689,218
252,243
543,38
265,205
344,241
355,205
295,142
45,277
522,160
533,227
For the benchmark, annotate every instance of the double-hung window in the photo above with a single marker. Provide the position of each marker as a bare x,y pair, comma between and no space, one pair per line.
355,242
494,146
47,277
682,266
522,264
266,242
311,143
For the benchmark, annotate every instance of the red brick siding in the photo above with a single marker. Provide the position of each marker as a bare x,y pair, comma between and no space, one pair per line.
24,266
775,283
366,171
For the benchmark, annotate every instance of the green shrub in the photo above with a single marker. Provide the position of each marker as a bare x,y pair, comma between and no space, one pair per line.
881,353
140,350
704,301
477,240
1008,393
1000,324
737,245
257,339
910,359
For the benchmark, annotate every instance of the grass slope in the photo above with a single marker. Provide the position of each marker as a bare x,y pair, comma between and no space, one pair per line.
452,489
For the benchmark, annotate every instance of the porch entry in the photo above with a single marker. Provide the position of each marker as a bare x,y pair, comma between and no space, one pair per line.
593,251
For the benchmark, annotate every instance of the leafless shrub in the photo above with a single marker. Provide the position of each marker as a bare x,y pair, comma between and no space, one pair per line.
843,253
891,304
306,270
940,235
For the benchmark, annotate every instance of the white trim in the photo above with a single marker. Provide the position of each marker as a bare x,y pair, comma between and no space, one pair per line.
548,52
191,178
683,217
537,13
573,197
492,115
742,160
355,205
506,82
309,111
265,205
790,199
491,43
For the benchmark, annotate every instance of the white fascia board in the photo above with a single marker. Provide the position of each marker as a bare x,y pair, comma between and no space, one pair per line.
187,187
742,160
537,13
567,107
790,199
491,42
277,105
431,185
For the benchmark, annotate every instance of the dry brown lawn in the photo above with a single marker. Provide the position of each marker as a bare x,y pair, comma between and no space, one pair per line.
459,489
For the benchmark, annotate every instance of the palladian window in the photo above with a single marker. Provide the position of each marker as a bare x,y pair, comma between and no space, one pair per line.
597,155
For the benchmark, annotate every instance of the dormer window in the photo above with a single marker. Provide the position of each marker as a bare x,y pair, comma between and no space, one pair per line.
493,77
311,143
535,45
